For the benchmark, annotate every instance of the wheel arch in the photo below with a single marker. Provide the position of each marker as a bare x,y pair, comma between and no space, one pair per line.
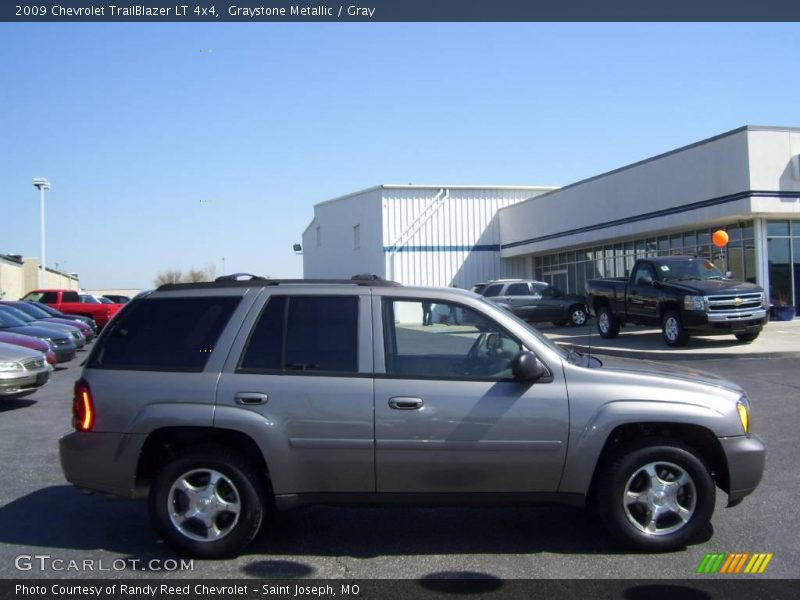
164,443
700,439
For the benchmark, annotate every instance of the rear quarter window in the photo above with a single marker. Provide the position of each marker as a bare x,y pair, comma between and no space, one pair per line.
164,334
68,297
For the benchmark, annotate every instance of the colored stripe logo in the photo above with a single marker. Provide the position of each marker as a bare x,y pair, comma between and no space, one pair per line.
731,563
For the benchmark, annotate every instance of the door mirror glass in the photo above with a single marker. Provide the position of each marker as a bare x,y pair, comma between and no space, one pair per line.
526,367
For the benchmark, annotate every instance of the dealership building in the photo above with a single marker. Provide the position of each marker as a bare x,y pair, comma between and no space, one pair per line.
745,181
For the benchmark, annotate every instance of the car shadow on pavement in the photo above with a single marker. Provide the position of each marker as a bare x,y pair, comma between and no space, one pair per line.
371,532
15,404
60,517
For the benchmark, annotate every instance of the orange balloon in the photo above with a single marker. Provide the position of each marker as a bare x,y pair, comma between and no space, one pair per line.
720,238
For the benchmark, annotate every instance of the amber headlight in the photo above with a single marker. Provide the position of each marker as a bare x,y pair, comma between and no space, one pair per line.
743,407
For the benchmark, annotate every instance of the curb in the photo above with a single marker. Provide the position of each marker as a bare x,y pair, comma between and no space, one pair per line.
678,355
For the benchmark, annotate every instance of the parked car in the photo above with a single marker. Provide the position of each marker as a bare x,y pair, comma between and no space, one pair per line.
26,341
22,371
117,298
57,313
682,295
71,330
69,301
537,301
220,401
40,315
103,300
63,345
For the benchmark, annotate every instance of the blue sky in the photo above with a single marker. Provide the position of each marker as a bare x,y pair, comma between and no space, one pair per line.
174,145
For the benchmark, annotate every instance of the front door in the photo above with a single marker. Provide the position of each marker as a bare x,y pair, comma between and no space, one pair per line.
448,415
642,298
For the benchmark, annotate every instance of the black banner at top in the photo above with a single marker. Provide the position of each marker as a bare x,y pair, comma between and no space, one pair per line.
276,11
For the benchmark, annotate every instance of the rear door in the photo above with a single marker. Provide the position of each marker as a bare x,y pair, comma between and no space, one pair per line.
448,416
298,380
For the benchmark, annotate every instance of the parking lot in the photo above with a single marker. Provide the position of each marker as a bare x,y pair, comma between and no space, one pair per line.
40,514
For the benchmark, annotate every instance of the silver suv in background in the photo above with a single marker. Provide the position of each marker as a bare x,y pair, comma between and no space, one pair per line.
224,403
537,301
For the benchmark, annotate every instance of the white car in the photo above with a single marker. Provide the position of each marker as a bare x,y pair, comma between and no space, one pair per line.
22,371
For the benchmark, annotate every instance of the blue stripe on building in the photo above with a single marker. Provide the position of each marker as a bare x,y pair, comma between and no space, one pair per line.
657,213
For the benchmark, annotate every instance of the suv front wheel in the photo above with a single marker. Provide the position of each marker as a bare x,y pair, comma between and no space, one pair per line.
655,495
207,502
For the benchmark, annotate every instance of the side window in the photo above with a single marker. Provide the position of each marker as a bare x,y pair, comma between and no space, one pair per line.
49,297
69,297
467,346
548,292
304,333
643,270
322,334
165,334
264,349
492,290
518,289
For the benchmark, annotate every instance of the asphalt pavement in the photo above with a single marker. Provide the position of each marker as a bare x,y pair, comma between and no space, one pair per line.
41,515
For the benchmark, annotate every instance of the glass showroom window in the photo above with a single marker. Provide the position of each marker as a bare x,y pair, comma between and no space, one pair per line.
783,252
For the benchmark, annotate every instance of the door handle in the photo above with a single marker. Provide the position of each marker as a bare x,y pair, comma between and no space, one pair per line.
405,403
250,398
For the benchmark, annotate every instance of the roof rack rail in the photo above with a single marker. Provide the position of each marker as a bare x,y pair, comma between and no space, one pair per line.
236,276
363,279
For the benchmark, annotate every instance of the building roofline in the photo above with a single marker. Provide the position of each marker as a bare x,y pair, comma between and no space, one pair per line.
416,186
744,128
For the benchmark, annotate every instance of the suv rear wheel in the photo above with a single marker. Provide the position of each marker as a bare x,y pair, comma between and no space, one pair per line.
207,502
656,494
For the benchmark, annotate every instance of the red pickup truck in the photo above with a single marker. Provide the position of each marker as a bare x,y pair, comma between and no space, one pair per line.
69,301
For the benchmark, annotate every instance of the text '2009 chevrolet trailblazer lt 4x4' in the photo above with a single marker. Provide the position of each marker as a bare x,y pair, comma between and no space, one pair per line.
226,402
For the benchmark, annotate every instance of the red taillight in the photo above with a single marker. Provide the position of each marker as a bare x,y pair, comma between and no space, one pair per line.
82,407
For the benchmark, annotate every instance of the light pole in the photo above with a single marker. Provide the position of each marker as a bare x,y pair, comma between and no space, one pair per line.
41,184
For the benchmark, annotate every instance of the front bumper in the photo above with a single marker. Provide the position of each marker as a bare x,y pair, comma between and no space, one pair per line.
745,321
65,354
26,383
746,456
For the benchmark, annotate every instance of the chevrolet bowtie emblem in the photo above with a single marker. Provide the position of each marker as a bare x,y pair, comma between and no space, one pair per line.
737,301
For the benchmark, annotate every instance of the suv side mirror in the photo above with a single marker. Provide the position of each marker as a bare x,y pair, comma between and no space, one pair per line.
526,367
646,280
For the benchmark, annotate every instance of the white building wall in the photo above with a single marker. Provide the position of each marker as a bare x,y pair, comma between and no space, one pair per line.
11,280
336,255
771,152
448,235
710,169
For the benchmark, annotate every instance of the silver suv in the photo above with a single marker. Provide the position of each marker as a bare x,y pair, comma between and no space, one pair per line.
226,402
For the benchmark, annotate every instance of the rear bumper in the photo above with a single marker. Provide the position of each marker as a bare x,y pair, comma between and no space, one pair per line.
101,462
746,456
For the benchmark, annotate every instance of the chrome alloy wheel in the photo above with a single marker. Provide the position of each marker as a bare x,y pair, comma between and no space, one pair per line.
579,317
204,505
659,498
671,328
603,322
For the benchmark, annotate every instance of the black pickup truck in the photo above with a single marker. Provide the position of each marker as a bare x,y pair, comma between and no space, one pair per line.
681,294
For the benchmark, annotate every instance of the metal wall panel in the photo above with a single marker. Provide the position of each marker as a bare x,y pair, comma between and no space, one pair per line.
446,236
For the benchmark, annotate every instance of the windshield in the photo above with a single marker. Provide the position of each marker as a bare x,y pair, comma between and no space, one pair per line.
48,309
696,268
30,309
533,331
9,320
86,299
17,314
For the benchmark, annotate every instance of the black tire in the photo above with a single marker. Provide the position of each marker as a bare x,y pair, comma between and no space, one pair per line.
672,329
577,316
747,337
607,323
628,521
239,481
